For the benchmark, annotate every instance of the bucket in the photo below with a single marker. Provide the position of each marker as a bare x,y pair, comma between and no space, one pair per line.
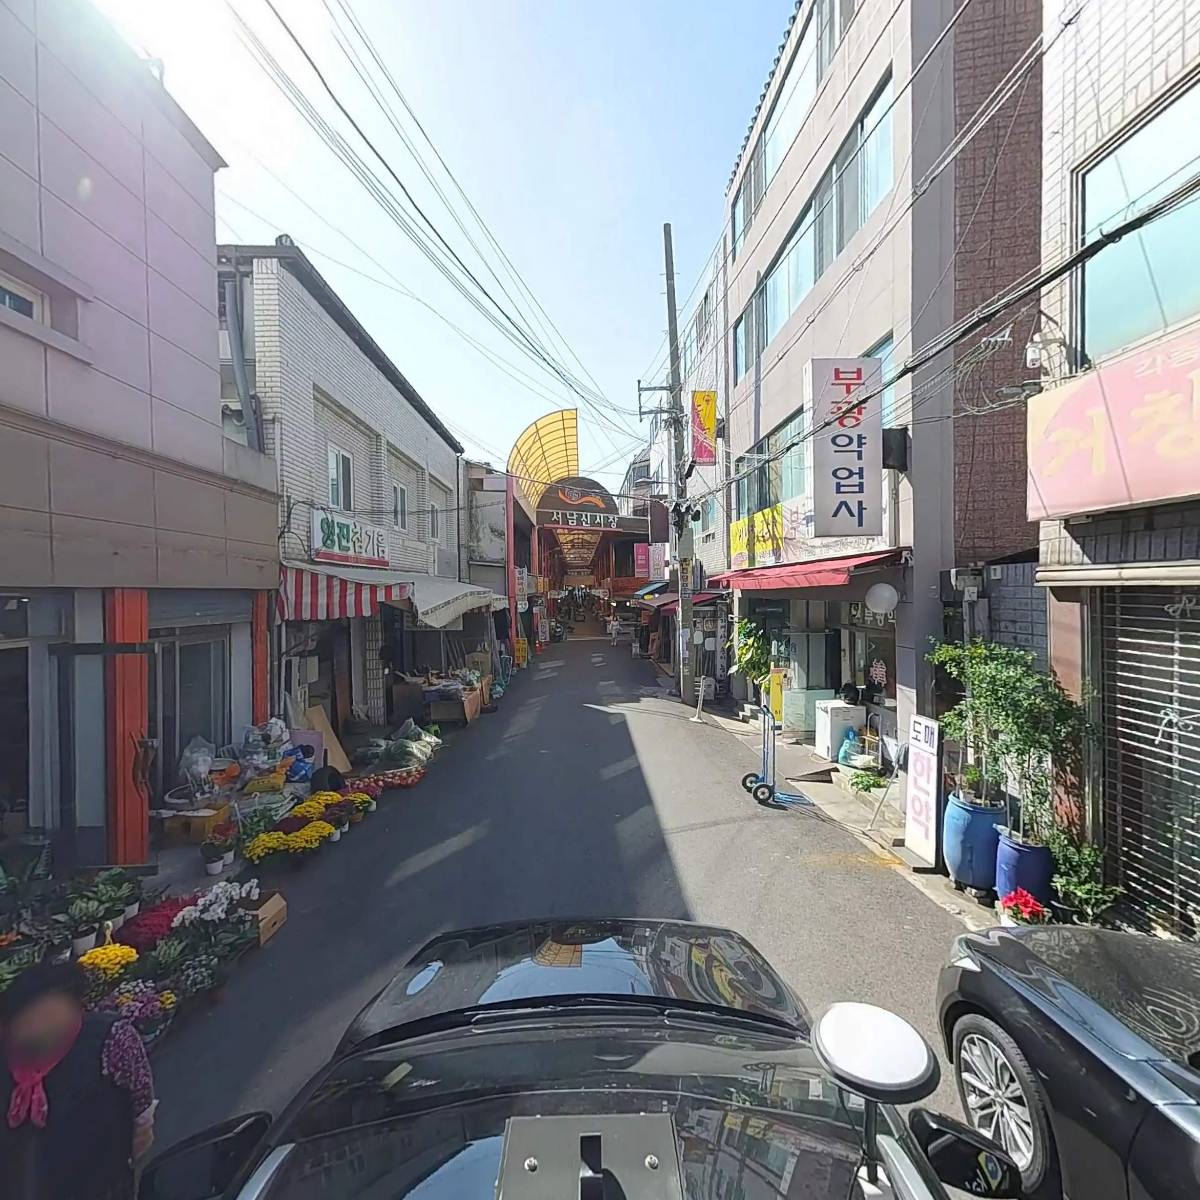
1022,866
969,842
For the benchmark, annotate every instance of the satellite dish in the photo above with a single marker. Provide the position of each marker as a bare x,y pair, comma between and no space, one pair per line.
882,598
875,1054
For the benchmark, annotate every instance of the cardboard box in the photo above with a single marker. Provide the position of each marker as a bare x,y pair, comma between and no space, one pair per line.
200,827
270,910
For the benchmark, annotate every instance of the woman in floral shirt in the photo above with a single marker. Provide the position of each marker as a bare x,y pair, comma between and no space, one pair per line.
76,1093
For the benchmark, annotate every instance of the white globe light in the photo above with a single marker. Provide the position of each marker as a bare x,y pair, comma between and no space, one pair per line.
882,598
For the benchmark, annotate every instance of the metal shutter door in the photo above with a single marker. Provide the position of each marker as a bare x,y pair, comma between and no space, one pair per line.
1150,652
172,607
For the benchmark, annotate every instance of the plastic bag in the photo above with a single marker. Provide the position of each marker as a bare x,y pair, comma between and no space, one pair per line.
196,761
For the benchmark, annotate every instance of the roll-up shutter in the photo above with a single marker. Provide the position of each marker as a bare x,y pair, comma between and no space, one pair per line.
171,607
1150,678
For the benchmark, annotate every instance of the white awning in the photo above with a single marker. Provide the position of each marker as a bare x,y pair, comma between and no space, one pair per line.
437,601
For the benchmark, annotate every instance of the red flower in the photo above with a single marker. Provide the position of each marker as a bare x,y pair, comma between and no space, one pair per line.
1025,907
144,931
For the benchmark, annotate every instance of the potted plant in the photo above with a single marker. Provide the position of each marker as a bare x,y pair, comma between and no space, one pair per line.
1079,881
113,890
83,919
751,647
225,836
213,854
1018,907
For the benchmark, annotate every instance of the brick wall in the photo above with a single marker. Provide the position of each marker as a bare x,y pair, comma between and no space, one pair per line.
997,211
1017,609
307,368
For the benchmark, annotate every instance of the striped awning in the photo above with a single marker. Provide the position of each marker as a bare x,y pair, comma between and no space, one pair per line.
307,594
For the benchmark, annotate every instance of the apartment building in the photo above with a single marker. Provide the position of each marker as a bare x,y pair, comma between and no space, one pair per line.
1114,437
887,185
137,541
369,480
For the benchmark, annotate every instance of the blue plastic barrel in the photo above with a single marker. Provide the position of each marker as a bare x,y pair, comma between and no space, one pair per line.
969,842
1022,866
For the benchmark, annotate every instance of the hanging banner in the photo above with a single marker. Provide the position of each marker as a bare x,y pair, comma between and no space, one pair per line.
704,427
846,411
641,560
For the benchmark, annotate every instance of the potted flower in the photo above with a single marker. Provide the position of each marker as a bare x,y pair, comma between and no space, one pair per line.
338,815
83,919
213,854
1078,881
1018,907
225,836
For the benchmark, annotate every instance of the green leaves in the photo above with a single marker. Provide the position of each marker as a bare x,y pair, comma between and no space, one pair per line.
751,651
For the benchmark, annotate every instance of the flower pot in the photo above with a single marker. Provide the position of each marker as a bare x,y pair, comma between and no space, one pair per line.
227,858
61,954
969,840
372,806
117,921
131,910
1021,865
336,836
344,828
214,868
81,943
1008,921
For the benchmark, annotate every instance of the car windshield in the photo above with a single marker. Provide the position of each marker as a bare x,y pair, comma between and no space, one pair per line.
429,1119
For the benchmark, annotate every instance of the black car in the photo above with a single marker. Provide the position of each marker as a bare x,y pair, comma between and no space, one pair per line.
1079,1050
597,1060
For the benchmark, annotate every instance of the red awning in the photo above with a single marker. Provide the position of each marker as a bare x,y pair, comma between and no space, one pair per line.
825,572
325,596
698,600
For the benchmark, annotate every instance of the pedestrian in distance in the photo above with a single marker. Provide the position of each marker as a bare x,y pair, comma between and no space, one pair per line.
612,630
76,1092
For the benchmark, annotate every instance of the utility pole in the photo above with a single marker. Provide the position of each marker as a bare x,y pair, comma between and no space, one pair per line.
681,517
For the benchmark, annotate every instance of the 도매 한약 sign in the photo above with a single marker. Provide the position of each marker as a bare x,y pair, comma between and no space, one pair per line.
922,802
846,407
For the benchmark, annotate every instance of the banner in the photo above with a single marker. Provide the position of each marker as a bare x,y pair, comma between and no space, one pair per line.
922,808
846,410
641,560
704,427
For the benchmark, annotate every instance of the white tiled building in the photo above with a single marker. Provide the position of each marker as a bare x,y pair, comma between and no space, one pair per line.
369,485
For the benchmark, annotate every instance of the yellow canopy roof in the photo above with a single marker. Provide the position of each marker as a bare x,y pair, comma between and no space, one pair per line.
547,450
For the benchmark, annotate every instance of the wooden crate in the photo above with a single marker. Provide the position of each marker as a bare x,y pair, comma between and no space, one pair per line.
270,911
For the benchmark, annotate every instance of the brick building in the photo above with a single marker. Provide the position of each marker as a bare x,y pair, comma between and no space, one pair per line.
1114,439
369,508
888,184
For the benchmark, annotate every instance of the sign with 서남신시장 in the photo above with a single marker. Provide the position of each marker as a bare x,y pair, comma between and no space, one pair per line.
922,801
846,415
339,537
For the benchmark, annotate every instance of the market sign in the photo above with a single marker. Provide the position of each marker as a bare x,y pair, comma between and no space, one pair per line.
704,427
1126,433
922,805
846,410
580,503
339,537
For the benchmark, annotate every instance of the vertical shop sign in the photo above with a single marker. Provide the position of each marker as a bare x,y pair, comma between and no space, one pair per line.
922,806
704,427
846,403
641,560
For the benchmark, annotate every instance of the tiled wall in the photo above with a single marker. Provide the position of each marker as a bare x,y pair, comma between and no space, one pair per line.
1017,609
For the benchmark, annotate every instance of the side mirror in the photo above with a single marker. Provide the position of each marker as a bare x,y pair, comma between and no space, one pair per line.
875,1054
203,1166
965,1158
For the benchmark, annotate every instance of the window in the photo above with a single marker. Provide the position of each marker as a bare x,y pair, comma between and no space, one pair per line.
826,223
708,513
875,132
20,298
435,523
792,483
341,470
1149,280
747,336
795,94
399,506
884,350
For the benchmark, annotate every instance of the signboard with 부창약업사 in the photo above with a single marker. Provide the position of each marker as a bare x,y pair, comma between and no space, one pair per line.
846,406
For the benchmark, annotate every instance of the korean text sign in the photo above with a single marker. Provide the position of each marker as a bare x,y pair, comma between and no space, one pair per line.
704,427
845,411
922,805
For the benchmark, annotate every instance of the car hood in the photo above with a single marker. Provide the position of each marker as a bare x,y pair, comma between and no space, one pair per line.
502,965
1139,995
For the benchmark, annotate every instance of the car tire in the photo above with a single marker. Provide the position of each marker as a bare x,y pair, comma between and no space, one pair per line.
1040,1176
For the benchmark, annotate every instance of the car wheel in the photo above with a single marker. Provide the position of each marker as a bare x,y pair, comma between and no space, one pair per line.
1001,1098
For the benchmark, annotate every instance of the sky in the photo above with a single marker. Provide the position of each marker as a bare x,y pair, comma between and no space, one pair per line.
575,129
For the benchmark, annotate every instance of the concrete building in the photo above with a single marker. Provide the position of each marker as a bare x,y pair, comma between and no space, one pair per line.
862,224
1114,446
370,498
127,518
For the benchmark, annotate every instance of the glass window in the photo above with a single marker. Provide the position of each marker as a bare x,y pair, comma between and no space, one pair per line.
793,483
1148,280
876,158
20,298
435,523
399,506
341,493
884,351
775,291
794,98
739,348
802,260
826,223
849,207
737,223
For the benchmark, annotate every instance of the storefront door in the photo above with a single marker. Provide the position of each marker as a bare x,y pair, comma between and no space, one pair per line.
14,738
1149,648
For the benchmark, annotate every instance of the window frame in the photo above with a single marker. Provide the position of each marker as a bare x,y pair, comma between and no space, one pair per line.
33,296
435,522
399,507
334,471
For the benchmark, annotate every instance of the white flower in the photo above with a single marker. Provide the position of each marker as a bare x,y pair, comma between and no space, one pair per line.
185,916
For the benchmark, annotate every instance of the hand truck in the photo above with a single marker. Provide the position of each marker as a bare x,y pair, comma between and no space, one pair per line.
761,784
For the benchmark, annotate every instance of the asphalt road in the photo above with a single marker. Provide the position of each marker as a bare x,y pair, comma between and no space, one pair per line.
590,793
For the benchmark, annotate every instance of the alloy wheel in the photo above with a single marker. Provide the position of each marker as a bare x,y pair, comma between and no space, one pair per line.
996,1103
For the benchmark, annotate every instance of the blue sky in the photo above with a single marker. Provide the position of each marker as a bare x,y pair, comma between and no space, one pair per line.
576,129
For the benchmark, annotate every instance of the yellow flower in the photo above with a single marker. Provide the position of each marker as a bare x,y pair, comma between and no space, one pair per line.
360,800
325,797
271,842
309,810
167,999
109,960
309,838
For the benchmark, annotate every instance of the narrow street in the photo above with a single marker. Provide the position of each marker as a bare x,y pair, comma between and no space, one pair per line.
590,793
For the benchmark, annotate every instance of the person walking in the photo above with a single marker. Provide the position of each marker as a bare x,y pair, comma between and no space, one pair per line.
76,1092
